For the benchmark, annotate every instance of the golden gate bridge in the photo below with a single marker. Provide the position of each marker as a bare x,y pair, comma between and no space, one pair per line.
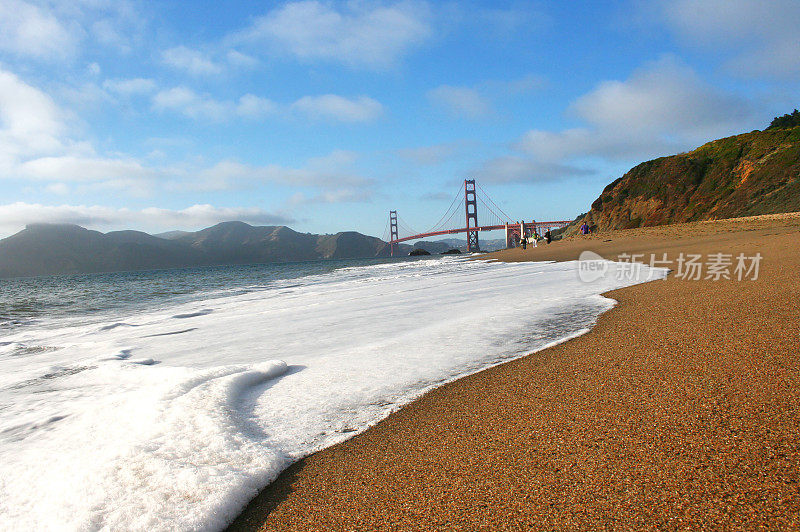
450,222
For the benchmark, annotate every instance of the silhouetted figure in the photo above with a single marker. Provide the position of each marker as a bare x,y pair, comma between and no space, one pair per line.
524,242
547,237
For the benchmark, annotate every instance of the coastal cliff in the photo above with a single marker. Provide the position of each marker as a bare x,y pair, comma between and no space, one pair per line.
743,175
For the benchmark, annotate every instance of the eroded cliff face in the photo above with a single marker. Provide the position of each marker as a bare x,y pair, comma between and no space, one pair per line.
744,175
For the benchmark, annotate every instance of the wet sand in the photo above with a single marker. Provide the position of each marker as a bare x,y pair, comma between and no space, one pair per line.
679,410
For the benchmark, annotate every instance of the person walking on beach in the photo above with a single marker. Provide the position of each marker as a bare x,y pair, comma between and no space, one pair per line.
524,242
535,239
547,237
585,229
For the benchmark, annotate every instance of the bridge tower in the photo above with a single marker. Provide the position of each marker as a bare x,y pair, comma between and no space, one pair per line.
471,209
393,231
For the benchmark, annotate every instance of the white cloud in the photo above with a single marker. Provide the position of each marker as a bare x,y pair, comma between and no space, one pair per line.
351,195
30,122
333,107
335,160
556,146
108,34
332,196
192,61
61,189
28,30
187,102
54,30
460,101
84,169
764,36
721,21
82,96
664,97
14,216
252,106
203,107
130,87
114,24
237,58
330,172
355,33
662,108
200,63
475,102
204,215
781,59
511,169
327,179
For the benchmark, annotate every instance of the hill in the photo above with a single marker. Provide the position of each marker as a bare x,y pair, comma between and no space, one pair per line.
744,175
50,249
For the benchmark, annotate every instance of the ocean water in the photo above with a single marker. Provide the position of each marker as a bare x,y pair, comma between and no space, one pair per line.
165,400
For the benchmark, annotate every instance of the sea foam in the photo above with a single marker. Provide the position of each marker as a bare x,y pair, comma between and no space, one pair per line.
174,418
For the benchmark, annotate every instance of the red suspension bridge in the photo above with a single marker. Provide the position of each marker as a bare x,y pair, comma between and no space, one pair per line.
450,222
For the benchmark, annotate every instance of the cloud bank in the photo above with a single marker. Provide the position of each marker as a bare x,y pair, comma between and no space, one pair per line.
14,217
662,108
763,37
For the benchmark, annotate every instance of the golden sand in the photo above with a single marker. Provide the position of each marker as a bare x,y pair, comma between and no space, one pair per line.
679,410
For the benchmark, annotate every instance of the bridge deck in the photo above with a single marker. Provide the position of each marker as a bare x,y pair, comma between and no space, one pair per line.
481,228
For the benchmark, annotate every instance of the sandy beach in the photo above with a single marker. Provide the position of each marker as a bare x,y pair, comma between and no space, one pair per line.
679,410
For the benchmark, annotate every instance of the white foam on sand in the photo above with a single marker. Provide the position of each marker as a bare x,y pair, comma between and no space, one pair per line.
174,419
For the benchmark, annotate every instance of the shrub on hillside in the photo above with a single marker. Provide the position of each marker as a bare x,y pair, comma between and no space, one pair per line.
786,121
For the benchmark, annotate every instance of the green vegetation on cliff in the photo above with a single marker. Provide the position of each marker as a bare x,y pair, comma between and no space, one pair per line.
749,174
786,121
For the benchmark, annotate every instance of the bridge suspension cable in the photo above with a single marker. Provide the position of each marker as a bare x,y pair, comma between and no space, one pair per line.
494,218
507,218
401,224
448,214
386,235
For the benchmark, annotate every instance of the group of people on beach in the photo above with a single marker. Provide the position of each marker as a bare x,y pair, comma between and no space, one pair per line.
534,239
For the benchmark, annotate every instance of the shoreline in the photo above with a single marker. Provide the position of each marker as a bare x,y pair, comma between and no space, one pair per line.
688,419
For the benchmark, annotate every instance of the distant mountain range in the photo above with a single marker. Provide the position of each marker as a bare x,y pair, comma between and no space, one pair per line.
744,175
51,249
440,246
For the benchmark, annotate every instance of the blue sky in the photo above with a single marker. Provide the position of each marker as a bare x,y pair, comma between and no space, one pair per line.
325,115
